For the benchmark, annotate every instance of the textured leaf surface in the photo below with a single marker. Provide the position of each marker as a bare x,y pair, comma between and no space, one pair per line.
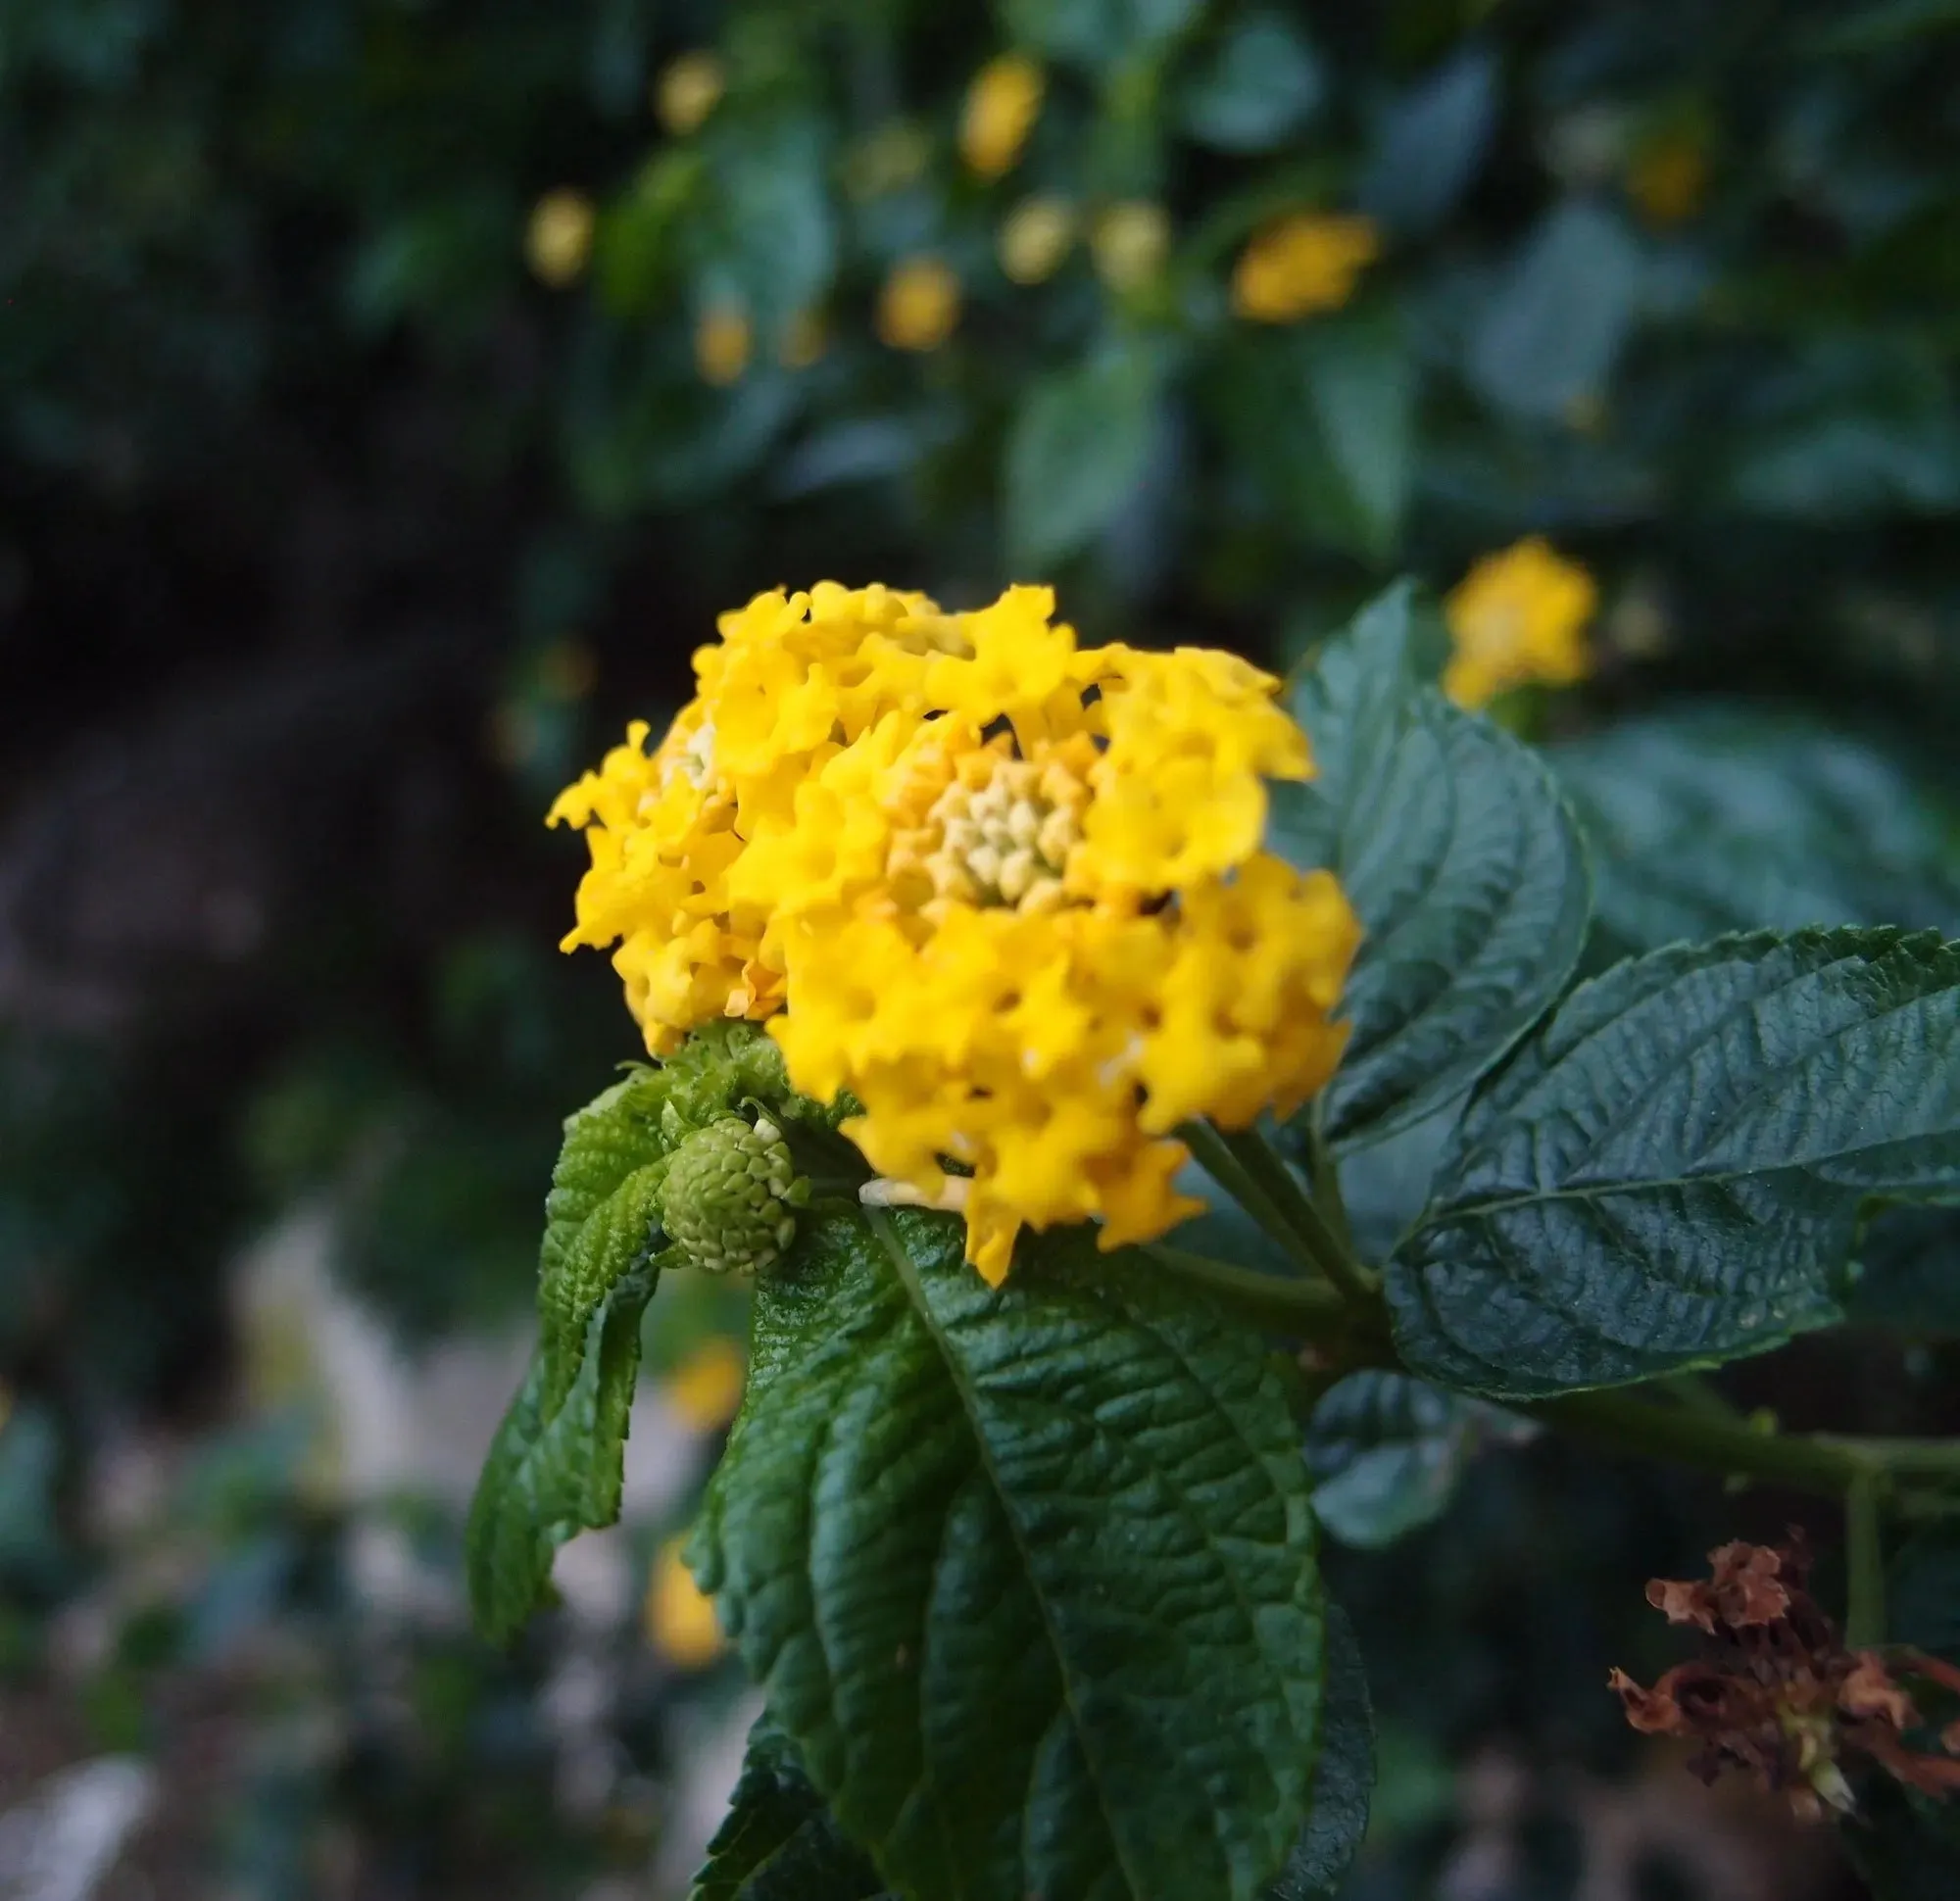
1344,1774
555,1465
1714,819
778,1842
1028,1576
1387,1452
1456,850
1670,1173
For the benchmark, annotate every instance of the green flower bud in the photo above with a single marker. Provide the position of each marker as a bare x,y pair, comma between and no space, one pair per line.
729,1193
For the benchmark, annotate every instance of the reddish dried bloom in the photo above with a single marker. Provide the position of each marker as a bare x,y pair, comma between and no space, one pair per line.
1777,1696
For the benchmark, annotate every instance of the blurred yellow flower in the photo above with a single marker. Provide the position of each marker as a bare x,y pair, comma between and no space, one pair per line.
705,1388
1128,243
1001,106
1518,617
1034,237
1668,176
688,90
722,339
680,1621
559,239
805,337
1012,895
1302,264
919,304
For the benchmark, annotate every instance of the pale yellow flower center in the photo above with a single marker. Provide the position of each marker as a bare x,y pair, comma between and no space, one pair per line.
999,835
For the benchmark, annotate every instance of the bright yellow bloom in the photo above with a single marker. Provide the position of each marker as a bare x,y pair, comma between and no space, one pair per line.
679,1619
1128,243
705,1388
1302,264
723,340
558,238
687,91
1518,617
919,304
1002,107
1009,892
1034,238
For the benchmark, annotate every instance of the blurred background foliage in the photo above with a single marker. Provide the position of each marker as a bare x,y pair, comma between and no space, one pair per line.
390,393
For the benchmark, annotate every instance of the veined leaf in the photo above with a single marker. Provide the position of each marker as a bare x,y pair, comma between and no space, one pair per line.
1344,1774
1387,1452
1670,1173
778,1842
1028,1576
1460,859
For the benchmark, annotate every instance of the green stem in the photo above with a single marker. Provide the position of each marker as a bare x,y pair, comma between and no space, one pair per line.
1938,1456
1700,1397
1215,1157
1271,1300
1312,1237
1865,1563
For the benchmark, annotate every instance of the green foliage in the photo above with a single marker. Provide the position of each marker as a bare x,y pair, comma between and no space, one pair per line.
1669,1174
1344,1774
1029,1575
1459,858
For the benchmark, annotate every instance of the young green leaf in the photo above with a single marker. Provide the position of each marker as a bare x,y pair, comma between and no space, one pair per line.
1460,857
1713,819
1028,1575
1344,1774
778,1842
1670,1173
1387,1452
555,1465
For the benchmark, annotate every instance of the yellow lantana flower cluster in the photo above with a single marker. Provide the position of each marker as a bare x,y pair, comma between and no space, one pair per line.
1517,618
1008,892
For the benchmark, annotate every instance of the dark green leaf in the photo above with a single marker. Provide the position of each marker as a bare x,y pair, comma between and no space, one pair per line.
1028,1575
1713,819
1387,1451
778,1842
1670,1173
1077,455
1096,33
776,241
1459,857
1924,1592
1909,1273
1343,1773
1429,141
1553,331
1260,87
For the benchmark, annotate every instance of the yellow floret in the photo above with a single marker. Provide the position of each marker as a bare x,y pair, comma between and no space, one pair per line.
1302,264
1518,617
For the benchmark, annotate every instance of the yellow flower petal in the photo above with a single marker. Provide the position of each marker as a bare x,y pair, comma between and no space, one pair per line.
680,1621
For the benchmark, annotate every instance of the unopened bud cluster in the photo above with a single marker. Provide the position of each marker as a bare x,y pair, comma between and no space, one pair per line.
729,1199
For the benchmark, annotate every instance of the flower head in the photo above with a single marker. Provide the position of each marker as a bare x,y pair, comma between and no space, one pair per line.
918,304
1008,892
1129,242
722,339
679,1617
558,238
688,89
1034,237
1302,264
1001,106
1517,617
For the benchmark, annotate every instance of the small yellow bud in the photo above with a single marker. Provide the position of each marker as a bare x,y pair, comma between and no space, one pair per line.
1128,243
1302,264
705,1388
1036,238
722,339
558,238
1001,106
687,91
680,1621
805,337
919,304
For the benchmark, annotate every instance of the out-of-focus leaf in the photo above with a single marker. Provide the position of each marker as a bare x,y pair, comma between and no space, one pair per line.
1260,85
1387,1451
1076,455
1429,141
779,243
1552,332
1909,1273
1344,1774
1922,1593
1097,32
1708,819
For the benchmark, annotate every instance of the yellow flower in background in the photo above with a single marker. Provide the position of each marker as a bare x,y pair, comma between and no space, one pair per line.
918,305
1301,264
1668,176
1129,242
705,1388
1517,617
1009,892
1002,107
557,241
723,340
805,337
687,90
680,1621
1034,237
